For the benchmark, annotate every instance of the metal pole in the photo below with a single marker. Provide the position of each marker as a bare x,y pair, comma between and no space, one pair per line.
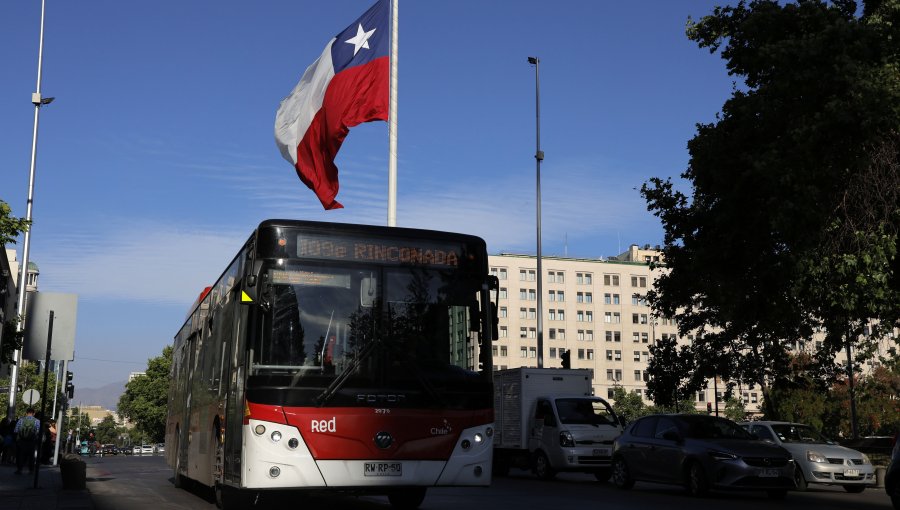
853,428
59,417
538,156
40,441
37,100
392,119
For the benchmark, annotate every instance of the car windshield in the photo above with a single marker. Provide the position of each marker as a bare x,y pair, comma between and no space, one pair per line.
582,411
792,433
710,427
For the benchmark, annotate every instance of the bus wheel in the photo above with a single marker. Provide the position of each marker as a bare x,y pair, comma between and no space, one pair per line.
407,499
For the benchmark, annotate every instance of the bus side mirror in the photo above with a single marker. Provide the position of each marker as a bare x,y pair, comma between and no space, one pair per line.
474,317
250,290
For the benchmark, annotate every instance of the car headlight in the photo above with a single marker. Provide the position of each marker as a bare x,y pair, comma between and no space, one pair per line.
717,455
566,439
814,456
866,459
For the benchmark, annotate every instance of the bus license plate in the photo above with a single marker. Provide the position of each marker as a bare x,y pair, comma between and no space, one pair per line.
768,473
383,469
601,452
851,472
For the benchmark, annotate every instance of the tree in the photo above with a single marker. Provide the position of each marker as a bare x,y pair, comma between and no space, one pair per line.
771,244
145,399
10,226
672,375
107,431
628,406
734,409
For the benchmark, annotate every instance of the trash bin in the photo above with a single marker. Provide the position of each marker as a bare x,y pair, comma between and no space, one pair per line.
880,473
73,471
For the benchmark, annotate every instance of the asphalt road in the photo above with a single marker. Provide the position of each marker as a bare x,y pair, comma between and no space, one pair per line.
145,483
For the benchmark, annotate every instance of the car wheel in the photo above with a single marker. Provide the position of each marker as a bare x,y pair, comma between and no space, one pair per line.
620,475
542,467
854,489
407,499
799,480
696,480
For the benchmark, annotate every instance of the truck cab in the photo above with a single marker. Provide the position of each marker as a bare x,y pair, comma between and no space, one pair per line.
572,433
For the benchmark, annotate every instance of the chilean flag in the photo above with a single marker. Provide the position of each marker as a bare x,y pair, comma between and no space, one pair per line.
347,85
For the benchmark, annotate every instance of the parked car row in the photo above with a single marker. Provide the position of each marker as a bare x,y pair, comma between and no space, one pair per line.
704,453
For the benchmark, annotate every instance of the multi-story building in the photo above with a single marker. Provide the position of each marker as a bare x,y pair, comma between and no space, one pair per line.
597,309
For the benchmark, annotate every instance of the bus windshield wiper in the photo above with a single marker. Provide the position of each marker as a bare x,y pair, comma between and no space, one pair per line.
339,381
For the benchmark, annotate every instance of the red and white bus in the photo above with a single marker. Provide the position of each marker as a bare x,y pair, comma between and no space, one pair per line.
337,357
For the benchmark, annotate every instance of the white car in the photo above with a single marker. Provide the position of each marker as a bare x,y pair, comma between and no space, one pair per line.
161,448
136,450
147,449
818,459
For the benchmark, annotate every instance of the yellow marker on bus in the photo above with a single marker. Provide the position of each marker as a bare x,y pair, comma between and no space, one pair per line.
245,298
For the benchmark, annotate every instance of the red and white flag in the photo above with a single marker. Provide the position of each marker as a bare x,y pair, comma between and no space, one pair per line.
347,85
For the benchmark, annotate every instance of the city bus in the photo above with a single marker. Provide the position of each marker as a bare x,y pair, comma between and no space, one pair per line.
337,357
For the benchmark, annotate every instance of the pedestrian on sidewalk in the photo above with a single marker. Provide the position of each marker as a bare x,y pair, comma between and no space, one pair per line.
27,429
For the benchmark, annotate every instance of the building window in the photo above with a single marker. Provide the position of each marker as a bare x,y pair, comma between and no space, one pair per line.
522,275
523,312
503,293
588,297
637,355
502,274
618,375
561,296
552,334
643,338
635,337
609,375
618,355
579,316
502,312
617,318
580,353
611,280
590,354
609,393
589,316
531,275
523,352
607,298
504,333
639,281
589,335
579,297
617,336
532,313
561,314
503,351
552,352
532,352
608,335
609,354
532,295
523,332
637,375
562,334
580,334
552,314
532,332
615,299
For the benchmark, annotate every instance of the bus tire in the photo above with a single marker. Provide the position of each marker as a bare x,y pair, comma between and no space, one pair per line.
407,499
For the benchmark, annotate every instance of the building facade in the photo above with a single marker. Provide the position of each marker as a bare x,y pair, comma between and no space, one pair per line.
597,309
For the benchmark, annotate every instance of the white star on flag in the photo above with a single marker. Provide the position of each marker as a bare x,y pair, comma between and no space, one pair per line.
361,40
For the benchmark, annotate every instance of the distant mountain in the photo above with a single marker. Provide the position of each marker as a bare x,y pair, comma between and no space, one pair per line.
106,397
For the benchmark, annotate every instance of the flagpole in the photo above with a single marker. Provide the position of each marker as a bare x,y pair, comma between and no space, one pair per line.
392,122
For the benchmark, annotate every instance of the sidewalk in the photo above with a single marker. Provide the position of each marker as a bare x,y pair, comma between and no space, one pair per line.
18,492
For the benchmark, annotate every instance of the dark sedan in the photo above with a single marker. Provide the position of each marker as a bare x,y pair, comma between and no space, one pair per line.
700,452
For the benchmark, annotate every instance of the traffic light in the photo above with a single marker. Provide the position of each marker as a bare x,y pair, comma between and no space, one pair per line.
70,388
566,356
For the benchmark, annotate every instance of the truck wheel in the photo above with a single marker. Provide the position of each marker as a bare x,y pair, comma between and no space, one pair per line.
542,467
407,499
620,474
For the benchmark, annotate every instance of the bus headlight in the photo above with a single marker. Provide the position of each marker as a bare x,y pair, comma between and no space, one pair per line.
274,471
293,443
479,438
260,429
276,436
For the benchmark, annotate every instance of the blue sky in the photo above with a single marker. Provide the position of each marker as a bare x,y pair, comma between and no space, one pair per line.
157,158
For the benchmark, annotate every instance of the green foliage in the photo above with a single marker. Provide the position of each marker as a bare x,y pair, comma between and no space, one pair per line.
145,399
628,406
672,375
10,226
792,219
106,431
12,340
734,409
30,379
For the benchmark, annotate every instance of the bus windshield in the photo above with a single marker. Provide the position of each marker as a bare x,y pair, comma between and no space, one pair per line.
367,335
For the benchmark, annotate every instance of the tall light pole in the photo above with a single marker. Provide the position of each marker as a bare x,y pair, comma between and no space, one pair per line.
538,156
37,100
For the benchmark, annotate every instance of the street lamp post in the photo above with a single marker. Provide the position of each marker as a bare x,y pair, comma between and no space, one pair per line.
37,100
538,156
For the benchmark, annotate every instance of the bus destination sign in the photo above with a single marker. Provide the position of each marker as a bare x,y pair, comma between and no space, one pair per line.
393,251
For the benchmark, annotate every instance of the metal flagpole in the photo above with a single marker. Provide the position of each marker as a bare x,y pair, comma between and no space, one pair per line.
392,121
539,156
37,100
